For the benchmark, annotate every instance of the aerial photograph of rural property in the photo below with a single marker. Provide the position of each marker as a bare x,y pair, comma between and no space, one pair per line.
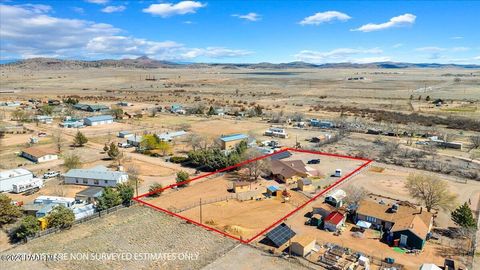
239,134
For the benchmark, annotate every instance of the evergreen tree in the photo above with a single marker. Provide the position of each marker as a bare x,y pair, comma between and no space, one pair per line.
80,139
110,198
28,227
8,212
126,193
113,152
463,216
60,217
211,111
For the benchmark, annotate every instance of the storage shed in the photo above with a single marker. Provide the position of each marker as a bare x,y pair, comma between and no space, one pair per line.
302,245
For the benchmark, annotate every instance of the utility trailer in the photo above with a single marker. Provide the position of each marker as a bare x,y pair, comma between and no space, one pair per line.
34,183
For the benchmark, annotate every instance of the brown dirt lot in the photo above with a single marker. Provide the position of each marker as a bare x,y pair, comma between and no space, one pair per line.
243,219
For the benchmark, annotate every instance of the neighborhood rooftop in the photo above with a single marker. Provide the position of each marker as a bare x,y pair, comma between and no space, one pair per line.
13,173
233,137
39,152
98,172
100,118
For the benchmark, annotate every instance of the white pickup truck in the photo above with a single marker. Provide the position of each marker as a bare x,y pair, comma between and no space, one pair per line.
51,174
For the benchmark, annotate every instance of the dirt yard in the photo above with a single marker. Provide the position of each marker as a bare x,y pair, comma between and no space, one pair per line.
243,219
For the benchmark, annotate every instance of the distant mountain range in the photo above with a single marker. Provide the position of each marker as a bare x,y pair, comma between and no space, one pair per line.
146,63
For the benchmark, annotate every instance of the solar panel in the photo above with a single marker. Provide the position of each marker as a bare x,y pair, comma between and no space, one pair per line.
281,155
280,235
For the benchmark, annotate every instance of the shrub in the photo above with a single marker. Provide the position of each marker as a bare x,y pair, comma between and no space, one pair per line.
178,159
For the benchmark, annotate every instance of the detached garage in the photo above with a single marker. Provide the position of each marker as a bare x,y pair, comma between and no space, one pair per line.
98,120
302,245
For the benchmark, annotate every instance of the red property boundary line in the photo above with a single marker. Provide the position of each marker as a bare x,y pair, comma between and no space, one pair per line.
338,182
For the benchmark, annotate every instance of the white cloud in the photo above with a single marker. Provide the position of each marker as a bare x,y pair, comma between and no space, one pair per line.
99,2
168,9
111,9
457,37
28,30
214,52
31,31
366,60
460,49
128,45
398,45
402,20
323,17
431,49
336,55
477,58
249,17
78,10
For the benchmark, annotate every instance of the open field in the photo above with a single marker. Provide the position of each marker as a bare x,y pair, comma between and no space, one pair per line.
134,230
286,98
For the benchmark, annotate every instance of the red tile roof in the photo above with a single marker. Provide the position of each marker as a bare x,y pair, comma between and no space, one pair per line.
334,217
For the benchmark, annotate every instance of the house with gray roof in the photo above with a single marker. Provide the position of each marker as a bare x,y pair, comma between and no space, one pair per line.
169,136
91,107
98,120
97,176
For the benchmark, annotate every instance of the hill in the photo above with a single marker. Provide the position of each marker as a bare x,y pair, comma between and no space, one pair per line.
145,62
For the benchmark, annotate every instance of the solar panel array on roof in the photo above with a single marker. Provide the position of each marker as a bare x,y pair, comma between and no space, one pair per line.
281,155
280,235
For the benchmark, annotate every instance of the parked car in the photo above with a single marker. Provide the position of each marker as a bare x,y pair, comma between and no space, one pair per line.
314,161
124,145
422,143
42,134
51,174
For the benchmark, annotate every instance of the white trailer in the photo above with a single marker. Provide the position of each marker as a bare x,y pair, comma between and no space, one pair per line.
23,186
10,177
338,173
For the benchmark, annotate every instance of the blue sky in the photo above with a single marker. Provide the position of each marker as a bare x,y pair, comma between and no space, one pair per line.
243,31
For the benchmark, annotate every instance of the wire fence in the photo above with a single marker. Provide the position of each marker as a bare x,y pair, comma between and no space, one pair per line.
79,221
203,202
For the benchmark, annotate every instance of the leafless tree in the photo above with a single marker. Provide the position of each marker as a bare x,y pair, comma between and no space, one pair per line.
431,191
197,141
475,141
255,168
448,136
133,177
58,140
355,194
389,149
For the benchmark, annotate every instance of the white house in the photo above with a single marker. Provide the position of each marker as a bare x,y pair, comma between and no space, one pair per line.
39,155
45,119
10,177
96,176
168,136
98,120
276,132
